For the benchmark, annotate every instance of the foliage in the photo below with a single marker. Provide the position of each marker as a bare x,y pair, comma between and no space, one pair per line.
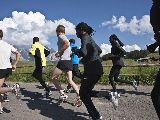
136,54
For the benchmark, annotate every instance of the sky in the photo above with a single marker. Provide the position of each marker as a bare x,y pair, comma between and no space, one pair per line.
21,20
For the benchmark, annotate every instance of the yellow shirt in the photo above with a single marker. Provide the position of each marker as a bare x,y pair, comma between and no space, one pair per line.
41,48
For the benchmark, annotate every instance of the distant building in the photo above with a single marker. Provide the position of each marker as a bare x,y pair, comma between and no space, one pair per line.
146,59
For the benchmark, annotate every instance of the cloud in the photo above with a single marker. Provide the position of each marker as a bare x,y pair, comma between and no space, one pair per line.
134,26
129,48
21,27
106,48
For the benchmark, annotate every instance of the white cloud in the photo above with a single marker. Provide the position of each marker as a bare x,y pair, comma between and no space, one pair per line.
134,26
129,48
21,27
106,48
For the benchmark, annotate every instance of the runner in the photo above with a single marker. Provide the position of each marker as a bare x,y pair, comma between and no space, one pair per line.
75,60
64,65
155,22
40,53
93,69
6,68
117,53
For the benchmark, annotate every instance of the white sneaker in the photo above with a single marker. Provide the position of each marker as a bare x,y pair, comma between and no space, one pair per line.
114,96
5,98
90,118
100,118
67,90
1,110
63,97
47,94
16,89
134,84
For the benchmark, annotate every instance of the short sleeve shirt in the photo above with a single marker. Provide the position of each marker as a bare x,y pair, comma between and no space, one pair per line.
67,53
5,54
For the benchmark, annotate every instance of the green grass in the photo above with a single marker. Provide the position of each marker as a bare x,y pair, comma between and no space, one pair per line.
145,75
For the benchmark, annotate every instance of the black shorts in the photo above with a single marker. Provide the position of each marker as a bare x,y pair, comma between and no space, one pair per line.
65,65
4,73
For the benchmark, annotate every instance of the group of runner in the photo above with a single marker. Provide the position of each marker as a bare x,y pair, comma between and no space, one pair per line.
69,55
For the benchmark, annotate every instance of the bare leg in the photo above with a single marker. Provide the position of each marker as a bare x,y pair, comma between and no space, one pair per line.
56,73
4,89
72,83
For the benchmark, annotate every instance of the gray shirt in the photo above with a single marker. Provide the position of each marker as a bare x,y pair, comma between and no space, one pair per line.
60,43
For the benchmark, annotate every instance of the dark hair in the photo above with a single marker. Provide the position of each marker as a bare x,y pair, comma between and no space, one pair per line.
84,27
1,33
60,28
35,39
156,1
113,36
72,40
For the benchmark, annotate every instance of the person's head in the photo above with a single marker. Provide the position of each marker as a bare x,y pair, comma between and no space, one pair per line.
1,34
82,29
156,1
157,36
113,39
72,41
60,29
35,39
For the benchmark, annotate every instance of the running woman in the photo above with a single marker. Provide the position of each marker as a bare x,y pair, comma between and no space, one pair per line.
6,68
117,53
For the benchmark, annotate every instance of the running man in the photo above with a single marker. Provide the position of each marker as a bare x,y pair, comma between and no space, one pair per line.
155,22
64,65
6,68
93,69
38,51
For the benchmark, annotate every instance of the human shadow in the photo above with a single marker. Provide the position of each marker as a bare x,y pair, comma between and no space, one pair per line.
48,108
123,91
41,87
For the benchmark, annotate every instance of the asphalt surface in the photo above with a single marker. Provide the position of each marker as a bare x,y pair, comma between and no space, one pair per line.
32,106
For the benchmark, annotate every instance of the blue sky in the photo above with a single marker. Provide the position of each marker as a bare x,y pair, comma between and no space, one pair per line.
97,13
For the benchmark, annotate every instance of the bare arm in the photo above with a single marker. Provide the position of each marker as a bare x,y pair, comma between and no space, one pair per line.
65,46
17,59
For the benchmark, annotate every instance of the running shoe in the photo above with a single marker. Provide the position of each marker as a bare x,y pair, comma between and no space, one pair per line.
78,102
16,90
114,96
100,118
5,98
134,84
63,97
1,110
47,94
68,89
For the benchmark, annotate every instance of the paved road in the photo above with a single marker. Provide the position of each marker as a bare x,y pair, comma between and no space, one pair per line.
133,105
